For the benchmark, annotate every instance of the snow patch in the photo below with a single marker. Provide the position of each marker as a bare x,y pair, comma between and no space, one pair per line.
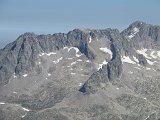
57,61
135,30
148,68
49,74
117,88
152,55
23,115
2,103
14,75
143,52
48,54
65,48
150,62
15,92
79,55
88,61
70,49
69,58
133,33
130,72
76,49
106,50
51,53
79,60
103,63
25,75
127,60
135,59
147,117
25,109
73,73
80,84
131,36
90,39
158,53
73,63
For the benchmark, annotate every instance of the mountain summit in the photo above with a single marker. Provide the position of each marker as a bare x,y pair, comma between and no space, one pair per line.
85,74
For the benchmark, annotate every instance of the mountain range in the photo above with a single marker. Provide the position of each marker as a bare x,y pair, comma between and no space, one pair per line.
85,74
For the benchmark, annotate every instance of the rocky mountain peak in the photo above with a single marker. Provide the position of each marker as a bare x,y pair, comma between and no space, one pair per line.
138,24
28,34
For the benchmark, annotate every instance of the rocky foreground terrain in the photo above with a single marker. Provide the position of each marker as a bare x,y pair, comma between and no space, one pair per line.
82,75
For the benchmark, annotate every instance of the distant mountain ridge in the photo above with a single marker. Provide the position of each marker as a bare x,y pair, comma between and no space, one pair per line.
31,44
83,74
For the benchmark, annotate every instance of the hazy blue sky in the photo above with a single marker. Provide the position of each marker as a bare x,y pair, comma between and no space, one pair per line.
50,16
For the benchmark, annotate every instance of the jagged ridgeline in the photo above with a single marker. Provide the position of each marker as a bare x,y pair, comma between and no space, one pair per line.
85,74
21,55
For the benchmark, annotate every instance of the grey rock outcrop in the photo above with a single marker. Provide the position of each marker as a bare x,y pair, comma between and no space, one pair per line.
142,60
97,81
111,71
142,35
78,38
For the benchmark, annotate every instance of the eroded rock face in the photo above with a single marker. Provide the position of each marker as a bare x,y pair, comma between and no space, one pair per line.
142,60
97,81
111,71
78,38
114,68
142,35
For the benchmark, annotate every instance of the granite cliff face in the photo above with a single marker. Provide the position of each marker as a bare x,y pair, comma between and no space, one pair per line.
83,74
